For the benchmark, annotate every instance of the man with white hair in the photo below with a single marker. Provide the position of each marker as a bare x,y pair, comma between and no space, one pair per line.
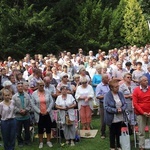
51,88
119,72
77,63
145,63
91,55
101,89
141,102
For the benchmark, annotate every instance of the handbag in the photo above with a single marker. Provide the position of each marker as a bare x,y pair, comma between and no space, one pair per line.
67,120
125,139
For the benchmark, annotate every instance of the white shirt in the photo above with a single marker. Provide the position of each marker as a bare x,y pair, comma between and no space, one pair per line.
91,71
63,103
7,111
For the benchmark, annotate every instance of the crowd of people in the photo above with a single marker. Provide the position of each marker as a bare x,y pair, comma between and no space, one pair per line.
118,82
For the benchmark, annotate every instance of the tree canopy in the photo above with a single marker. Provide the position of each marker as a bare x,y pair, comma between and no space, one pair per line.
41,26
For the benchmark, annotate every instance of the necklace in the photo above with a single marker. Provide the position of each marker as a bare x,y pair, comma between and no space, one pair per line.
7,103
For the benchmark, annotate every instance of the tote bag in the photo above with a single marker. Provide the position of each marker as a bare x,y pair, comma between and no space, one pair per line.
125,139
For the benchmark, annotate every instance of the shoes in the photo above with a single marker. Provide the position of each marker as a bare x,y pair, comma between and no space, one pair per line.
72,143
67,142
49,144
103,137
40,145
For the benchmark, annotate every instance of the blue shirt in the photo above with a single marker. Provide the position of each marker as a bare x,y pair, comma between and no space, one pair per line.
97,78
101,90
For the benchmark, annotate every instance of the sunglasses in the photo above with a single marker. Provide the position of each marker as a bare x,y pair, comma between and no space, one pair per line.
65,76
41,85
19,82
83,82
129,77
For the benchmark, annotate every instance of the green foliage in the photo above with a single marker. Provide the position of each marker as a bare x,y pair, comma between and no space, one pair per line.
41,26
135,29
145,5
24,29
114,36
93,24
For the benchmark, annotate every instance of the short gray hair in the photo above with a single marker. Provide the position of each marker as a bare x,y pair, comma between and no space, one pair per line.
141,78
7,83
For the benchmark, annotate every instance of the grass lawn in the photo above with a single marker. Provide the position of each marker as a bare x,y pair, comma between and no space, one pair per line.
84,144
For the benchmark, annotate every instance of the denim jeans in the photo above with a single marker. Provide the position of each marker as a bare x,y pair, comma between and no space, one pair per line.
8,129
26,125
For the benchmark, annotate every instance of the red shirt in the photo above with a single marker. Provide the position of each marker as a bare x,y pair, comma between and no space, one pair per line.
141,101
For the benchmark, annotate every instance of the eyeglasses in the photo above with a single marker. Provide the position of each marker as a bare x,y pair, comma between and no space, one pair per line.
129,77
83,82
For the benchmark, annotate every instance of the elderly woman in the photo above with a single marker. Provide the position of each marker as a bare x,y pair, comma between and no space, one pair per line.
127,88
66,103
42,103
84,74
84,95
137,73
75,83
114,106
64,82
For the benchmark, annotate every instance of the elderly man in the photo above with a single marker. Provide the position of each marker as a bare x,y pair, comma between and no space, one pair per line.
141,102
101,89
51,88
119,72
22,111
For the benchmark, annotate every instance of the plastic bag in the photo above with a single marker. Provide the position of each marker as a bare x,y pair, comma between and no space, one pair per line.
125,139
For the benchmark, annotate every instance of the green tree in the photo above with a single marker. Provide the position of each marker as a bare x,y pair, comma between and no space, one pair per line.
145,5
24,29
116,24
135,29
92,31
